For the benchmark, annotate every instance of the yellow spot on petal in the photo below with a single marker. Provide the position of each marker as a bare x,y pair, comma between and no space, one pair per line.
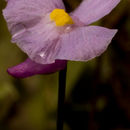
60,17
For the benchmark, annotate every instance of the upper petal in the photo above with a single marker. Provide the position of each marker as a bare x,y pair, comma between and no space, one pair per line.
92,10
85,43
27,13
29,68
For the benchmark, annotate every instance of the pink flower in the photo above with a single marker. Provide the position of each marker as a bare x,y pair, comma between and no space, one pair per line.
50,36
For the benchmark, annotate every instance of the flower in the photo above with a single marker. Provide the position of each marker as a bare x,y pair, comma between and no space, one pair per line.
50,36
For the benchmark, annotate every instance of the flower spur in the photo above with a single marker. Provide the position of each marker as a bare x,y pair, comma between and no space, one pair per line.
50,36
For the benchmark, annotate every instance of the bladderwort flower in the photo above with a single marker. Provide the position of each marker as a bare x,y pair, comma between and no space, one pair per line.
50,36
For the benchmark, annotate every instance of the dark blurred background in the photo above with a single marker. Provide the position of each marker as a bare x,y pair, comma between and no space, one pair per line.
98,91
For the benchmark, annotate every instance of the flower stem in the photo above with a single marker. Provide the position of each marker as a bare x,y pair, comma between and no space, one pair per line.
61,99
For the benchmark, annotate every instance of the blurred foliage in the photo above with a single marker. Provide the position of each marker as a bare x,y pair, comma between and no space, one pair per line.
98,91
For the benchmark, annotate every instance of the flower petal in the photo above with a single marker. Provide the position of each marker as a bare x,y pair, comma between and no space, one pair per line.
27,13
29,68
31,27
92,10
85,43
39,42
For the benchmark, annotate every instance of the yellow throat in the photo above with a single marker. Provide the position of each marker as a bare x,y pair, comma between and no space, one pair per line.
60,17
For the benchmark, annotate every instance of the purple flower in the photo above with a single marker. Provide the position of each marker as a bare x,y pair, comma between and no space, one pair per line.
50,36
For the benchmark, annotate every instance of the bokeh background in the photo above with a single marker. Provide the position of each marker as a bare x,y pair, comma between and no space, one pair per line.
98,91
